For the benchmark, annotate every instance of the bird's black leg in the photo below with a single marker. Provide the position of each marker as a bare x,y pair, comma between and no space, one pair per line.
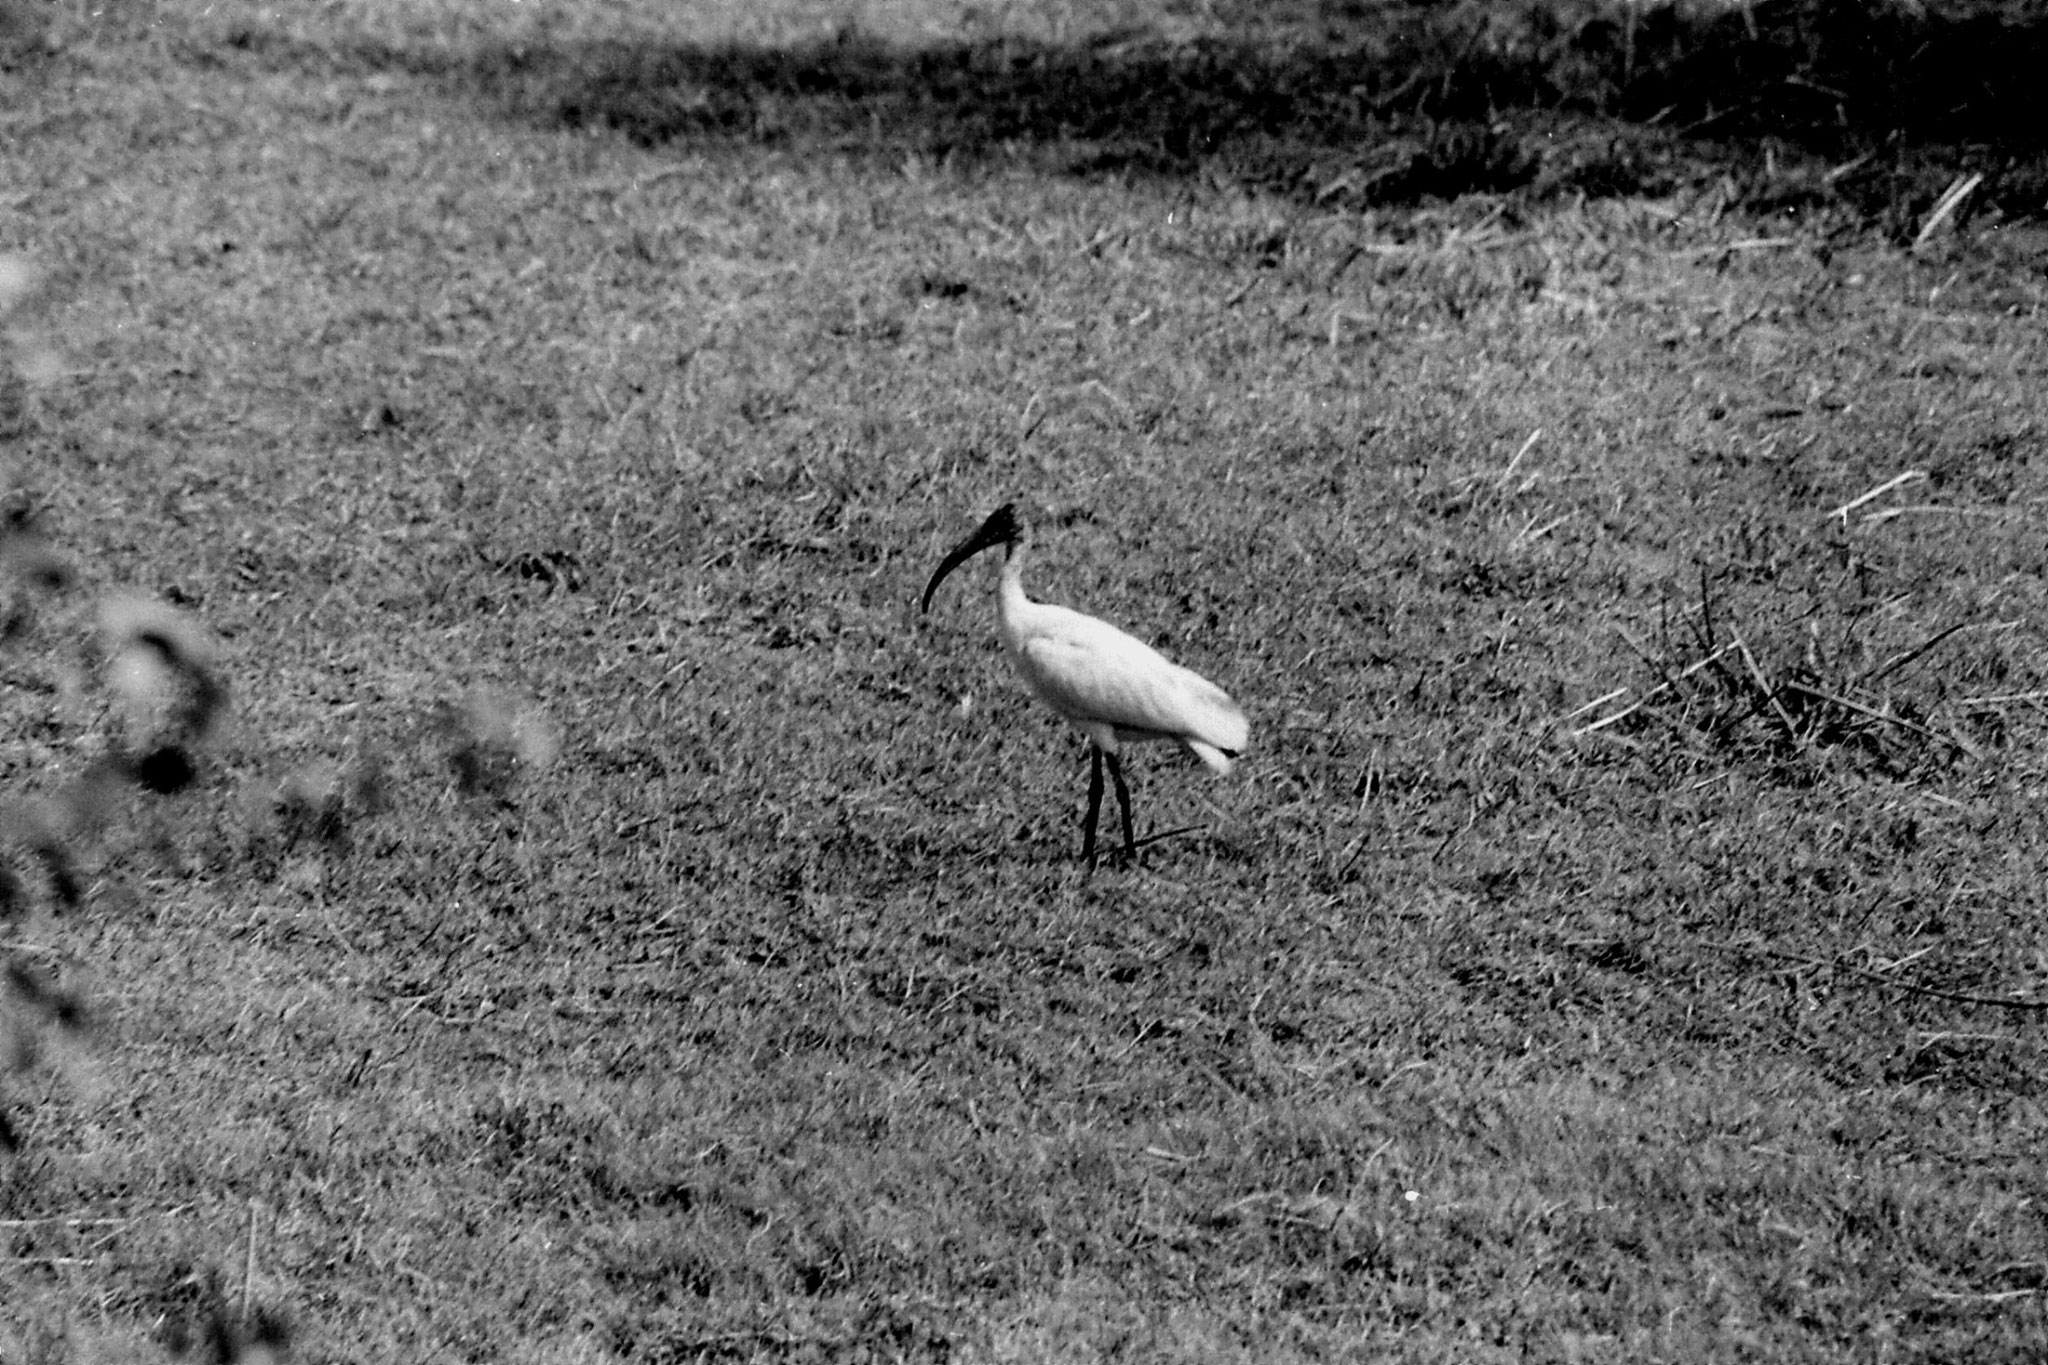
1094,805
1123,800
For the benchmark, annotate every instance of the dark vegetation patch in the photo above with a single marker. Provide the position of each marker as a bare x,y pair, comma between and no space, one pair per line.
1808,104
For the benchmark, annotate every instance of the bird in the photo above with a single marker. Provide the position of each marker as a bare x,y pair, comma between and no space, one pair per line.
1113,688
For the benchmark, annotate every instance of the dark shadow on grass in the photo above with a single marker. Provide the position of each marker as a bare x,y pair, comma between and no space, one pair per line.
1853,104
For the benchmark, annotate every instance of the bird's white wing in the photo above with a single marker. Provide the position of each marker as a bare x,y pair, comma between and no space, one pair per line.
1094,674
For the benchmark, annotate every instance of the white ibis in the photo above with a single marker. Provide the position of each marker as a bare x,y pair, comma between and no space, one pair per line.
1110,687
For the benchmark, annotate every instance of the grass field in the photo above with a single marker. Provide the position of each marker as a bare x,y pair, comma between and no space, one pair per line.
610,923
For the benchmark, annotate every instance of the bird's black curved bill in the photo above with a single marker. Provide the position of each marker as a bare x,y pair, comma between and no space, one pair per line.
999,529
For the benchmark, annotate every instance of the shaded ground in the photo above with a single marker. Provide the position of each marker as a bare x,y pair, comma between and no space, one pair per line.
1866,110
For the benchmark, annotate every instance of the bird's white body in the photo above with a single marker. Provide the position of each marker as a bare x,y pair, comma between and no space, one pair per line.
1112,687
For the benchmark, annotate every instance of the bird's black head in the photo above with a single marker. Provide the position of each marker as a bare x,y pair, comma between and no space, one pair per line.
1003,527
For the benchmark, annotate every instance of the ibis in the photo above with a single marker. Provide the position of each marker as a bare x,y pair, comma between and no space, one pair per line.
1112,688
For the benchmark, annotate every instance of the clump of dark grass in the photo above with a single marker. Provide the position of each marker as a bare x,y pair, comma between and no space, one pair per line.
1864,110
551,568
1827,73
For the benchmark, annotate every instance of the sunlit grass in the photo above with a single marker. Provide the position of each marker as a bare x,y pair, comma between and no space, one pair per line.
610,923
